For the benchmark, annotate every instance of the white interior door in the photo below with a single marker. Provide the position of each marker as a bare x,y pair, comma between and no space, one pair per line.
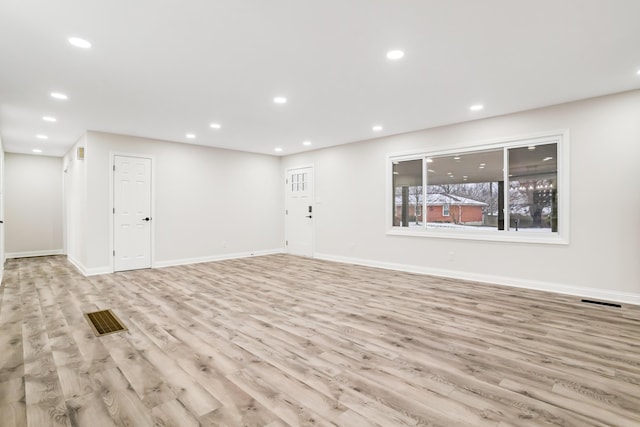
299,211
132,213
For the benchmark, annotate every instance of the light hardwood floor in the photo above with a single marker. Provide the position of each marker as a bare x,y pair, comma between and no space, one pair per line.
282,340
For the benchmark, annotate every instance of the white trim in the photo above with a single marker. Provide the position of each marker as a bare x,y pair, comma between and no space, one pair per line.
535,138
561,137
521,236
222,257
601,294
88,271
112,155
29,254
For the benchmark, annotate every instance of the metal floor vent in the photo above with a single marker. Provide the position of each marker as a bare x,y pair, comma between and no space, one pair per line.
608,304
104,322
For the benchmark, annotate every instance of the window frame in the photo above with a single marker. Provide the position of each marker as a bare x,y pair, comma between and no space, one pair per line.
560,137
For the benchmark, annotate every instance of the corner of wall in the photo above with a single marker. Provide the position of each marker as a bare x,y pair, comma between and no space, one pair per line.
74,198
3,257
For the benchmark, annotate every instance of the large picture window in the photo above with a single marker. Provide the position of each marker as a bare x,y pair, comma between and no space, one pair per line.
512,190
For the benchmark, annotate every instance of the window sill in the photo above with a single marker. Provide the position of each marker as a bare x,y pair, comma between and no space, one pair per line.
490,236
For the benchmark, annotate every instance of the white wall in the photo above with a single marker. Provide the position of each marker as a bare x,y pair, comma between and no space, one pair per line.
75,202
33,205
602,257
2,251
209,203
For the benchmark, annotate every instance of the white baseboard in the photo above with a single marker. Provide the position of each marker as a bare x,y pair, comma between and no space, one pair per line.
222,257
30,254
89,271
600,294
171,263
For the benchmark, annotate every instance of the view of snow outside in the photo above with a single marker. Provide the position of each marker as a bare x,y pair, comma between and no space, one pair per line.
530,204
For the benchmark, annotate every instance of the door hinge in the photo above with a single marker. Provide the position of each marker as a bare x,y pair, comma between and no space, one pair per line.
286,181
286,211
114,253
114,168
286,243
114,210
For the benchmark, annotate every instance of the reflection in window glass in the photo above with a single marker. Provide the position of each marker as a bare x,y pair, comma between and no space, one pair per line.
463,190
407,193
533,188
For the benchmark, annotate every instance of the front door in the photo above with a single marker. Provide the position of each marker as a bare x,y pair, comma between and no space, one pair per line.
132,213
299,211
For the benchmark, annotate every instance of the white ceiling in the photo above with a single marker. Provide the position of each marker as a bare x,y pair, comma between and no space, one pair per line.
162,68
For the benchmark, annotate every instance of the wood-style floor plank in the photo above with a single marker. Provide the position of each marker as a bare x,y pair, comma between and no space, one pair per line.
287,341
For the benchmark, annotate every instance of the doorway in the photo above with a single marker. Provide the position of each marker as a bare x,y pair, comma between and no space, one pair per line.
131,213
299,215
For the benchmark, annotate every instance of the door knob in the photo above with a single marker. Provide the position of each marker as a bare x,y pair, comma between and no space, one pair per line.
309,216
146,219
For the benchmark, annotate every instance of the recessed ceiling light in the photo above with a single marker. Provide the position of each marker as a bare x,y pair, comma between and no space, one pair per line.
215,126
37,150
307,143
431,170
456,158
40,136
531,147
78,42
476,107
546,159
429,160
278,149
280,100
377,128
465,177
395,54
190,136
49,119
58,95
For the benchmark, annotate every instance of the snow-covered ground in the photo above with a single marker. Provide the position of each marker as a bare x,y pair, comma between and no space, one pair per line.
451,226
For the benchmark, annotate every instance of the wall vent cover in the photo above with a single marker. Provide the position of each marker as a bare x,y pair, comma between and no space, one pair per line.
104,322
